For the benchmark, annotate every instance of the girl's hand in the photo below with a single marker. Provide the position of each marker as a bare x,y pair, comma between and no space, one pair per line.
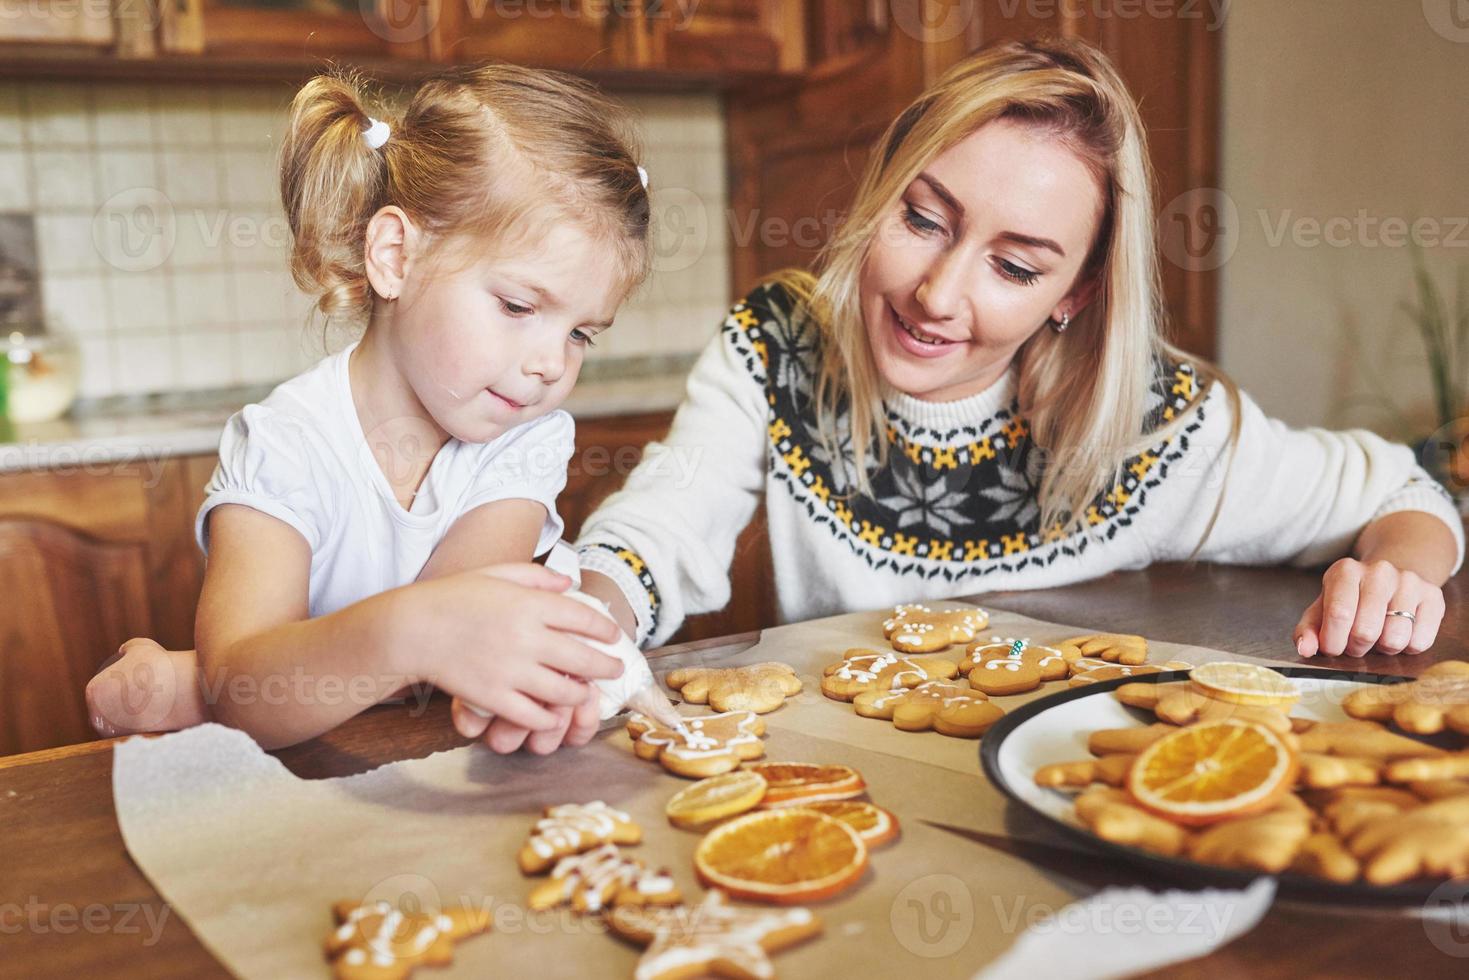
575,727
1351,614
502,638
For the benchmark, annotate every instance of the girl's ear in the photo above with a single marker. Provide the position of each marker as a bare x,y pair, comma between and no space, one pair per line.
1079,298
389,250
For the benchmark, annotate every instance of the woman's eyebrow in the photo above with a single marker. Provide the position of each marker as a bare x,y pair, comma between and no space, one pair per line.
952,202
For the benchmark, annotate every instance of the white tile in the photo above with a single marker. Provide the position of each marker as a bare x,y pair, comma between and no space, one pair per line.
58,114
203,299
694,119
122,170
15,180
144,363
269,296
200,238
191,177
76,304
184,116
251,176
135,230
208,359
64,178
271,354
97,375
253,116
124,116
139,301
262,239
12,121
65,243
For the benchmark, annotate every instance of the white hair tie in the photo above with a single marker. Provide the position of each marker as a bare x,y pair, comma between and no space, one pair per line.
377,133
643,176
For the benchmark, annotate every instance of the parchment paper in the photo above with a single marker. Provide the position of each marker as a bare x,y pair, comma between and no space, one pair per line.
251,857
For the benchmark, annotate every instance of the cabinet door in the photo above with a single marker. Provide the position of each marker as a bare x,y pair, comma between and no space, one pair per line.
725,37
297,30
572,35
58,22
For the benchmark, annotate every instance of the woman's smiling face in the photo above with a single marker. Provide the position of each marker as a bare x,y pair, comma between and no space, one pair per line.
983,247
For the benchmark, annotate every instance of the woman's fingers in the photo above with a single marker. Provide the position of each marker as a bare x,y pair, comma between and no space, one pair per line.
1397,631
1429,618
1341,588
1308,630
1379,582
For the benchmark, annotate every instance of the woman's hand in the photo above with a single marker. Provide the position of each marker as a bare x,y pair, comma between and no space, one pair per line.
1351,614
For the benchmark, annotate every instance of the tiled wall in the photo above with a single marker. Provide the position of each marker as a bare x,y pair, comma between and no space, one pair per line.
163,249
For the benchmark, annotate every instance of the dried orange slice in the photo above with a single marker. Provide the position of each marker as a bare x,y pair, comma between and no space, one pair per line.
1205,773
715,798
1242,683
799,783
873,824
783,856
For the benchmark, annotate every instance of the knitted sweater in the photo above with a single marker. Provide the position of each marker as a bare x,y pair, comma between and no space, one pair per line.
955,511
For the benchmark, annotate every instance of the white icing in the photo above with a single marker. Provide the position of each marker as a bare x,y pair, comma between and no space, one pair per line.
691,740
570,826
616,692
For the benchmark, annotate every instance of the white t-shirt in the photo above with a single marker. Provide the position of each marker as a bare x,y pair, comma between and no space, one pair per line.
301,457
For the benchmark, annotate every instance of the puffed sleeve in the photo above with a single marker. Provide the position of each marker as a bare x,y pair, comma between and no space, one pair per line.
275,464
527,463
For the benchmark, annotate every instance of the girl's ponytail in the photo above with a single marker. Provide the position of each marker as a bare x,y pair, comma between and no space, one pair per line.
332,182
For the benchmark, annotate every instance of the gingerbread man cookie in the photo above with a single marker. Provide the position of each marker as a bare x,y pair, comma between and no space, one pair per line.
1113,648
379,942
1113,815
1267,842
759,687
704,746
917,628
1431,840
572,828
712,938
1180,704
1363,740
867,670
1438,699
945,708
1089,670
1005,665
603,878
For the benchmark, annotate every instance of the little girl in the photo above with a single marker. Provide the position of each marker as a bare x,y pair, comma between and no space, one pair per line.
363,519
974,394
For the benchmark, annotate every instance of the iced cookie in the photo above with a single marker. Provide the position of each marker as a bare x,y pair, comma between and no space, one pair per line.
917,628
945,708
759,687
866,670
379,942
712,938
572,828
1438,699
1005,665
1112,648
603,878
702,746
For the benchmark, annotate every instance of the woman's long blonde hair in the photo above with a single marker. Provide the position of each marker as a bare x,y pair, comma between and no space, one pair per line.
478,152
1084,392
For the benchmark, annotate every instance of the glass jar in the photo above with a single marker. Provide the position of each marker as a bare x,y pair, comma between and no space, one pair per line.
42,375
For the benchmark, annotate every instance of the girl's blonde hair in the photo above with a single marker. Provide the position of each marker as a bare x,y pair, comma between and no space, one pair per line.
479,152
1084,391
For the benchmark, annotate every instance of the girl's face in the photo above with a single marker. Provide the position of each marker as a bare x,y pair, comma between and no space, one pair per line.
981,249
498,341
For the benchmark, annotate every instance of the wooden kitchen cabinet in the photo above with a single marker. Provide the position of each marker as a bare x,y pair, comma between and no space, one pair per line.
572,35
59,23
294,30
723,37
90,558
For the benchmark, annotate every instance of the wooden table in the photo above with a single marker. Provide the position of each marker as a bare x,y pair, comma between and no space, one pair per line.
72,902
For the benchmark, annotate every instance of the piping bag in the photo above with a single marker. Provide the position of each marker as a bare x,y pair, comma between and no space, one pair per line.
637,688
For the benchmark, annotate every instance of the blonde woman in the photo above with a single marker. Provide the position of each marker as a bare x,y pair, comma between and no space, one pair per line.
974,393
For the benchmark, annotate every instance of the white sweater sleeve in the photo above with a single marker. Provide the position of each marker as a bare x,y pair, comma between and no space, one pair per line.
668,536
1291,495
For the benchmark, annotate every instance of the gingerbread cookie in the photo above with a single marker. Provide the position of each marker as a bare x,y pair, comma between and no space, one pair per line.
1347,809
1091,671
1438,699
1180,704
1268,842
917,628
704,746
1109,769
1323,855
572,828
711,938
379,942
866,670
1112,648
1005,665
1328,771
603,878
948,710
1431,840
1363,740
1112,815
1437,768
759,687
1125,741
